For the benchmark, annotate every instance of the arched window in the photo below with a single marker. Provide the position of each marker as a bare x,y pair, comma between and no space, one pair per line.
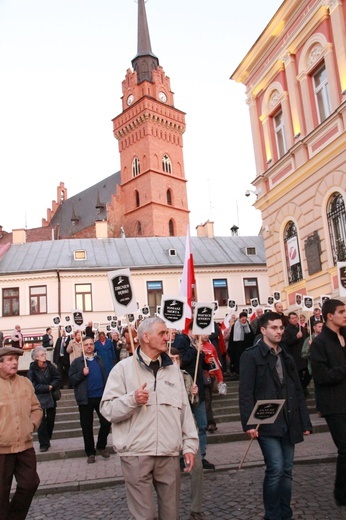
166,164
136,167
138,202
171,228
139,228
169,197
293,263
336,217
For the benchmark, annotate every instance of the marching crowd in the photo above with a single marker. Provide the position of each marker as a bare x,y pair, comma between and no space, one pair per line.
153,391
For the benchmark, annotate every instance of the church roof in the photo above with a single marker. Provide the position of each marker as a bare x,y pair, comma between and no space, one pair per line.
82,210
133,253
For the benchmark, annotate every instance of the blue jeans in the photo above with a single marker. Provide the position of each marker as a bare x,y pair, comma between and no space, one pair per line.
200,415
278,453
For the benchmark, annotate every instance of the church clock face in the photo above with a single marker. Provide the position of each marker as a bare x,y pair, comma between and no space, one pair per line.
162,97
130,99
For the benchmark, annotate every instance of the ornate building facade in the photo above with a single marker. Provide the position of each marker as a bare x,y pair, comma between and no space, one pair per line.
295,78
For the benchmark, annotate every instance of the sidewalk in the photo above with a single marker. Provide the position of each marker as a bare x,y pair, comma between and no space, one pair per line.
63,473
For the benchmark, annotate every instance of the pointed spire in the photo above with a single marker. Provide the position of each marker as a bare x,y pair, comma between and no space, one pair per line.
145,61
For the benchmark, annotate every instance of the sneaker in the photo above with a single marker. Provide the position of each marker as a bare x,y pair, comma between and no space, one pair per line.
208,465
91,459
196,516
104,453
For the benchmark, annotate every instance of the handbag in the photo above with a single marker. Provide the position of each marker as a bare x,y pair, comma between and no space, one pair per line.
56,394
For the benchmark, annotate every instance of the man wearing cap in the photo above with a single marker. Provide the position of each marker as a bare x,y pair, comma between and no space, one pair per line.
20,416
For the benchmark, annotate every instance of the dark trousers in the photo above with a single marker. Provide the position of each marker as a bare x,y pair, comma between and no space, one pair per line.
208,389
22,466
86,414
45,430
63,368
337,427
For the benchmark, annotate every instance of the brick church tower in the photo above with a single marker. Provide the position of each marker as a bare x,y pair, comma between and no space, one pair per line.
151,199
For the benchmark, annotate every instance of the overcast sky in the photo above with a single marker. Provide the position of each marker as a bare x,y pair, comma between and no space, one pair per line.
61,67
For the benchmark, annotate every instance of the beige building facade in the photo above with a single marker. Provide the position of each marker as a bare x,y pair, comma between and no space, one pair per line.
295,78
40,281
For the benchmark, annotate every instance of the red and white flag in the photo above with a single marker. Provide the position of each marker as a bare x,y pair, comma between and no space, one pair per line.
188,281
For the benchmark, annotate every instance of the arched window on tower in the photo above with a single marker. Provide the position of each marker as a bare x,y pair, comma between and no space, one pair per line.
169,197
171,228
293,263
139,228
166,164
138,202
136,167
336,217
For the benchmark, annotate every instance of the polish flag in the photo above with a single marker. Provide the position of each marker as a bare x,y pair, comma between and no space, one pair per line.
188,281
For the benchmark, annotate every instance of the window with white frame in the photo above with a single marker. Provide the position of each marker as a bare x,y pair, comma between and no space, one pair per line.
136,167
279,130
83,297
336,216
321,89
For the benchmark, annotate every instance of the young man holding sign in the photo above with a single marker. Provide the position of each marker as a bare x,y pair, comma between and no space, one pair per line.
151,423
268,372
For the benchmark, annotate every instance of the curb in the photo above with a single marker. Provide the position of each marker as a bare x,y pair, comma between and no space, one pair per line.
85,485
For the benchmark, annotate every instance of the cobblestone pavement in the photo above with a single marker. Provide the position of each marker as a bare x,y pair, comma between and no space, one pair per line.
228,495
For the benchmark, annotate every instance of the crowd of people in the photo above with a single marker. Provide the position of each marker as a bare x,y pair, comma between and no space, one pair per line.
138,377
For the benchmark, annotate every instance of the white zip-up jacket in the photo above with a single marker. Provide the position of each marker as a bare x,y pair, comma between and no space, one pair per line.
165,427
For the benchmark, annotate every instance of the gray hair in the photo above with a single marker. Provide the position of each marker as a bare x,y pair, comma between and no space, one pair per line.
36,351
147,325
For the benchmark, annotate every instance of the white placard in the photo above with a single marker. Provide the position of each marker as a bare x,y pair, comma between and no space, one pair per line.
173,311
203,322
122,292
308,303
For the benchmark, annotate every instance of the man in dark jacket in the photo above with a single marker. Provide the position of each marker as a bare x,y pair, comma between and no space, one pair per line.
61,357
294,337
268,372
328,362
88,377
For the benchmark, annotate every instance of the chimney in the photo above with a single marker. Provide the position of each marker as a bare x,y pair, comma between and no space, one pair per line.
18,236
206,229
101,228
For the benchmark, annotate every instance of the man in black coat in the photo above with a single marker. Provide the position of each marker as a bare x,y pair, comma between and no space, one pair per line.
294,337
328,363
61,357
268,372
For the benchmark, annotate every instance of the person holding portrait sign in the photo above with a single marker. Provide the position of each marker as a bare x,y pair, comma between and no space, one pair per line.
268,372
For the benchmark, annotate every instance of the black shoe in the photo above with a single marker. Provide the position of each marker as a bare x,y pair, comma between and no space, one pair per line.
208,465
212,428
43,449
91,459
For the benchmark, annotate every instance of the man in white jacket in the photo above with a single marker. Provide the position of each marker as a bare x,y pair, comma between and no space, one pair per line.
146,402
